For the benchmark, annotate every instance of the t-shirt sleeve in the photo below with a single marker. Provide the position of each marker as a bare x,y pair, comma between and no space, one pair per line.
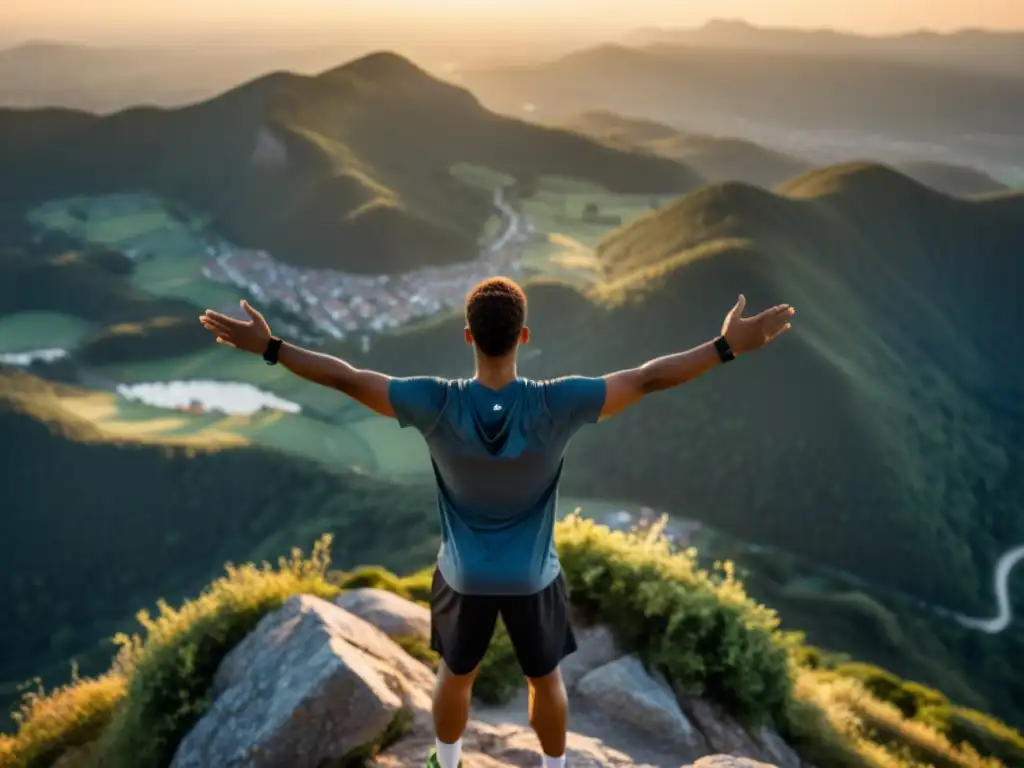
575,400
418,401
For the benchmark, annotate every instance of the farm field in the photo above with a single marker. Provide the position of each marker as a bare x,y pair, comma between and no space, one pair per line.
29,331
370,444
169,250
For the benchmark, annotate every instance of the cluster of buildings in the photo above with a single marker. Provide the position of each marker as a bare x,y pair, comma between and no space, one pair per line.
340,303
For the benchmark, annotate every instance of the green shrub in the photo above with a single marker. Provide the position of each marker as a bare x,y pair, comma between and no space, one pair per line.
986,734
699,629
48,725
882,684
372,577
418,585
170,669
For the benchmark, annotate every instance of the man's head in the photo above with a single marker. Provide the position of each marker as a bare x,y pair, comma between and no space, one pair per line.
496,317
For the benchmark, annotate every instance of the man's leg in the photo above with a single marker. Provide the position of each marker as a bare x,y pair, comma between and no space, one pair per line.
549,716
452,695
461,627
538,626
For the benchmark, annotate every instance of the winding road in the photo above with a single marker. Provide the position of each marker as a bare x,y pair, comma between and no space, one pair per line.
1002,619
512,219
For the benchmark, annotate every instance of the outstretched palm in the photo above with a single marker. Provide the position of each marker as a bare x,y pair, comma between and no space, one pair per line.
248,335
745,334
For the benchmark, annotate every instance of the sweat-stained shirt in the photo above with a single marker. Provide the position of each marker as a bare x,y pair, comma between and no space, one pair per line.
497,457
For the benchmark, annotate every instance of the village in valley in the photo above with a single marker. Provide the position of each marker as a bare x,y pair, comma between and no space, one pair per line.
340,304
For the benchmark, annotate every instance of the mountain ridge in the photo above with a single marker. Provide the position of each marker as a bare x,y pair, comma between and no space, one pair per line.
725,158
797,101
365,150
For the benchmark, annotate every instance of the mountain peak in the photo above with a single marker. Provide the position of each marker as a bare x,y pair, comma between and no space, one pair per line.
379,65
855,178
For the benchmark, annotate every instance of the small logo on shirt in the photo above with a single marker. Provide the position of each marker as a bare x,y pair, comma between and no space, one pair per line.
497,407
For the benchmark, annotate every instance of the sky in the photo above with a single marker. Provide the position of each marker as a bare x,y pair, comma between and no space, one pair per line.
291,21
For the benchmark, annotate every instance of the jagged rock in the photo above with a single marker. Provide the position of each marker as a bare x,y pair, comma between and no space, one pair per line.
729,761
626,690
727,736
596,647
393,615
489,746
777,750
311,684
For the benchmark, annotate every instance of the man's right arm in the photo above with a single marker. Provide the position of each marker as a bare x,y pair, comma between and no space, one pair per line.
624,388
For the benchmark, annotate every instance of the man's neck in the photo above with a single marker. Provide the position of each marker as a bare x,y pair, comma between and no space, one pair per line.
496,373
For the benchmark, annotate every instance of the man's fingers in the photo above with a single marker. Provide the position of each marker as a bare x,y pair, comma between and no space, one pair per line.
254,314
215,325
217,332
217,317
741,304
776,311
779,332
222,340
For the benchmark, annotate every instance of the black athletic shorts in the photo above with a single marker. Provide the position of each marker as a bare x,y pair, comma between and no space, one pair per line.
461,626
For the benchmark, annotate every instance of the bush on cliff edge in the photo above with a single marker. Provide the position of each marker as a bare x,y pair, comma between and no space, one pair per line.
699,628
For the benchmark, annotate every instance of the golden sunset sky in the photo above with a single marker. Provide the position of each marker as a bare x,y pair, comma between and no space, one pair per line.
151,20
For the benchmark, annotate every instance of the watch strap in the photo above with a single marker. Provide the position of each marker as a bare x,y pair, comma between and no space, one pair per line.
273,348
725,353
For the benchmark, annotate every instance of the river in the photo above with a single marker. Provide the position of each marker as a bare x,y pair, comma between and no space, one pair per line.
1004,612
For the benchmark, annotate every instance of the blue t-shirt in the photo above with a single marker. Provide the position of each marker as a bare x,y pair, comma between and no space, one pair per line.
497,457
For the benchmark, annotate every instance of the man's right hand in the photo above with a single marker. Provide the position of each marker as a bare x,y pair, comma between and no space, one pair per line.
249,336
745,334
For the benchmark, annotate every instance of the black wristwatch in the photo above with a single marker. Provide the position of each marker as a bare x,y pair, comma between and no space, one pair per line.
273,347
725,353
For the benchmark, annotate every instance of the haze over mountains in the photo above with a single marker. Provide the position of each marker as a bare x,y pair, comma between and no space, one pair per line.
983,50
826,107
720,158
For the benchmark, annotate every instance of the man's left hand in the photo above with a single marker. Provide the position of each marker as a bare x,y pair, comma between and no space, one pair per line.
249,336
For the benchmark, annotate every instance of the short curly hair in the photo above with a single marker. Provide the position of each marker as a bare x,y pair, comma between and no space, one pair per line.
496,315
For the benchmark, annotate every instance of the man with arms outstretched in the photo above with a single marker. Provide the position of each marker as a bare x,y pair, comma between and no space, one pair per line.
496,445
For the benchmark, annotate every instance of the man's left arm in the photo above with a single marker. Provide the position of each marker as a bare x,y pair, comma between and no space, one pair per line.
367,387
415,401
364,386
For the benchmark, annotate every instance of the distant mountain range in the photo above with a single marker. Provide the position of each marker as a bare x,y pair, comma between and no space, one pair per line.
720,158
347,169
977,49
827,107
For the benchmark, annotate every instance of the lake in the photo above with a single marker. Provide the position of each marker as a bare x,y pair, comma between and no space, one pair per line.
34,356
229,397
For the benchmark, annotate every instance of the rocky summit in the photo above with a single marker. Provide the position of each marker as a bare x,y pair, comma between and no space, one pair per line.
323,684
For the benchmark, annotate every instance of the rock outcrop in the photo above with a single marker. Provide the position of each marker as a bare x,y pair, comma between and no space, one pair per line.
311,684
393,615
624,688
321,684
